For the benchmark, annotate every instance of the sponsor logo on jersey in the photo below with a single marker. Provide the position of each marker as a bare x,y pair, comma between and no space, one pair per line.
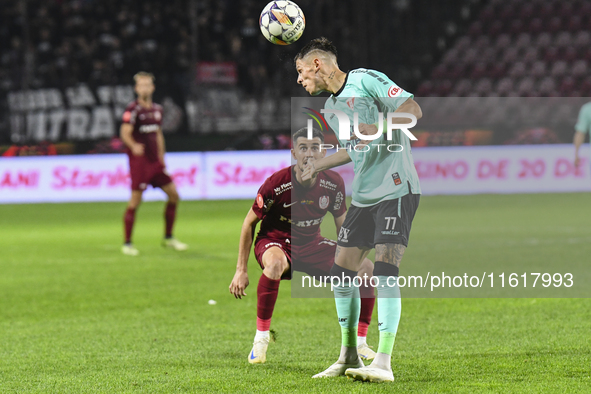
149,128
328,184
307,202
284,187
289,205
268,204
338,201
126,116
301,223
396,178
394,91
323,202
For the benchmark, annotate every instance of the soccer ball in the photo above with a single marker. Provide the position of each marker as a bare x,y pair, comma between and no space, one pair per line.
282,22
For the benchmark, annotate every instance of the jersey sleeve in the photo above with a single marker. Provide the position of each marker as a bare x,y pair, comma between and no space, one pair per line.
129,115
339,207
381,87
264,200
584,121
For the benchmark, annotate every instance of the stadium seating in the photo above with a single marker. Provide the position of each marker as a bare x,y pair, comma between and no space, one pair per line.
536,48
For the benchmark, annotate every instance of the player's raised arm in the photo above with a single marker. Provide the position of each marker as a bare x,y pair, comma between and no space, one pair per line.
240,280
126,136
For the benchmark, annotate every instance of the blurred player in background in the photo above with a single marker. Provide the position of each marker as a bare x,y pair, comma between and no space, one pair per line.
386,194
143,137
582,127
289,238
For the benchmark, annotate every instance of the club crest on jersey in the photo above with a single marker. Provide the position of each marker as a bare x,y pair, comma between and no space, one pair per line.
323,202
351,103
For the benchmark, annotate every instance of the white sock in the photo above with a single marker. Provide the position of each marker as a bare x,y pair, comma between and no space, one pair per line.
348,355
383,361
361,341
261,335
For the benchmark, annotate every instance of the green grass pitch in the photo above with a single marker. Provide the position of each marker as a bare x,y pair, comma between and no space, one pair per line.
76,316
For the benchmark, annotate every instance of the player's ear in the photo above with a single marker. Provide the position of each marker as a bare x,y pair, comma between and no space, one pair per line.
293,154
316,62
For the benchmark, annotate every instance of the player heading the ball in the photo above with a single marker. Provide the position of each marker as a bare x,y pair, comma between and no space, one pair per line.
386,195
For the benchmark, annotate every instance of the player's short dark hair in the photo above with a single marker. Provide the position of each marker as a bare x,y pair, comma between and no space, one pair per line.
144,74
317,44
303,132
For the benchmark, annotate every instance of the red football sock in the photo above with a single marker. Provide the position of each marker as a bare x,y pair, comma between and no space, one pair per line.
128,219
367,304
169,215
267,291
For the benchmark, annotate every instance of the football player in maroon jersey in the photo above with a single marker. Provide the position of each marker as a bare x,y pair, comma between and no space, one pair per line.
291,211
143,137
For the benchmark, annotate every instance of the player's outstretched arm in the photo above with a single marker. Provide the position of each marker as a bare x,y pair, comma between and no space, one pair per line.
314,167
240,280
411,107
126,136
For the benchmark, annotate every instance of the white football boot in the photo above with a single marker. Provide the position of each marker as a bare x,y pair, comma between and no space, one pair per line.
129,250
174,244
338,369
258,354
370,374
365,352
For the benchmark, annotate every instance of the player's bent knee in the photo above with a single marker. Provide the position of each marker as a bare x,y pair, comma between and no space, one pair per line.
275,263
173,197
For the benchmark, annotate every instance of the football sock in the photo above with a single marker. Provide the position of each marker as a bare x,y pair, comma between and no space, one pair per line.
128,220
389,308
361,340
367,304
169,215
347,303
267,291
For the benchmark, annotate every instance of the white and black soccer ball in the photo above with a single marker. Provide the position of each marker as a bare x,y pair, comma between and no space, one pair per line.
282,22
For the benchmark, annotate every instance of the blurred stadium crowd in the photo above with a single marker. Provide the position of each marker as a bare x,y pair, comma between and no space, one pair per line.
214,67
60,43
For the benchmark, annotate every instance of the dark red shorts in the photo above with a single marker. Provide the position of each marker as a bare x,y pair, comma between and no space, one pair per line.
144,172
314,257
